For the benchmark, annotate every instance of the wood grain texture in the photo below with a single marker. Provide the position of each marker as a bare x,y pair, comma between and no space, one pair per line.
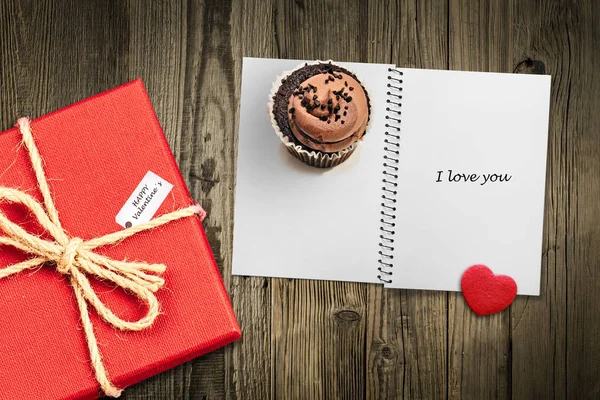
582,212
313,340
542,46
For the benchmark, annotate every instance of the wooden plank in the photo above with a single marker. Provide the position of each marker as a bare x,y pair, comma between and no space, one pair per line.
318,340
313,30
319,327
20,79
479,347
407,328
41,71
157,53
538,324
582,214
248,363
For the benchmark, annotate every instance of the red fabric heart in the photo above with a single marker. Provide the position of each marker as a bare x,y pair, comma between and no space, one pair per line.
485,292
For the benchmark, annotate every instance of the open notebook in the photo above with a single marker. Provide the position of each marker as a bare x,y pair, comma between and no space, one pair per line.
451,173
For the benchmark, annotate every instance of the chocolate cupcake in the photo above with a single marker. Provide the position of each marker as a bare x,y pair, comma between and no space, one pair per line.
320,112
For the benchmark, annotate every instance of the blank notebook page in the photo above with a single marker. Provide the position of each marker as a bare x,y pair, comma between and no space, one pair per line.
459,126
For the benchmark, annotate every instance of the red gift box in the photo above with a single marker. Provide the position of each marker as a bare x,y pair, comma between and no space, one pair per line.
95,153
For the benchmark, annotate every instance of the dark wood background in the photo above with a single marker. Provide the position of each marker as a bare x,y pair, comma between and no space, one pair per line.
304,339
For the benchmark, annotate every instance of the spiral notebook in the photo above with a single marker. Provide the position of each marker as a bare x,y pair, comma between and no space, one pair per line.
451,173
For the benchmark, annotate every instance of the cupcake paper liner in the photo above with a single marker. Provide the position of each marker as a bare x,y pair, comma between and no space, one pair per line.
314,158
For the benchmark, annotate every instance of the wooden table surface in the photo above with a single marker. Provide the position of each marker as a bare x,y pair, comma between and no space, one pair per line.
329,340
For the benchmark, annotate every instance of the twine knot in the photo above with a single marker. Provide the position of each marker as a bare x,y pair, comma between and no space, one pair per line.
75,258
67,259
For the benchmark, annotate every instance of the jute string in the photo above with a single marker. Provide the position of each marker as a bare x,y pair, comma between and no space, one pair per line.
75,258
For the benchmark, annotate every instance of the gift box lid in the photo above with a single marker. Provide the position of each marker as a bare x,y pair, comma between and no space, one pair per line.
95,154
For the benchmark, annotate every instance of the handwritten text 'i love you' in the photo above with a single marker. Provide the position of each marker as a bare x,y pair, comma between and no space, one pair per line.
482,179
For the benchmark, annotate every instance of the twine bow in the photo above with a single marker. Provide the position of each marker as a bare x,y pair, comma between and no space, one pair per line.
75,258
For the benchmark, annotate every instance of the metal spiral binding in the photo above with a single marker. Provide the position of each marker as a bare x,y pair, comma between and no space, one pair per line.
390,175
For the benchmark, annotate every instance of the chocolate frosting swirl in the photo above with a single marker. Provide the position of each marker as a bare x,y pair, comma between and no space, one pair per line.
328,111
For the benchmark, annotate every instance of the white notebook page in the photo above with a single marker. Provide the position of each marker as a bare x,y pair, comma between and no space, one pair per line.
470,123
296,221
